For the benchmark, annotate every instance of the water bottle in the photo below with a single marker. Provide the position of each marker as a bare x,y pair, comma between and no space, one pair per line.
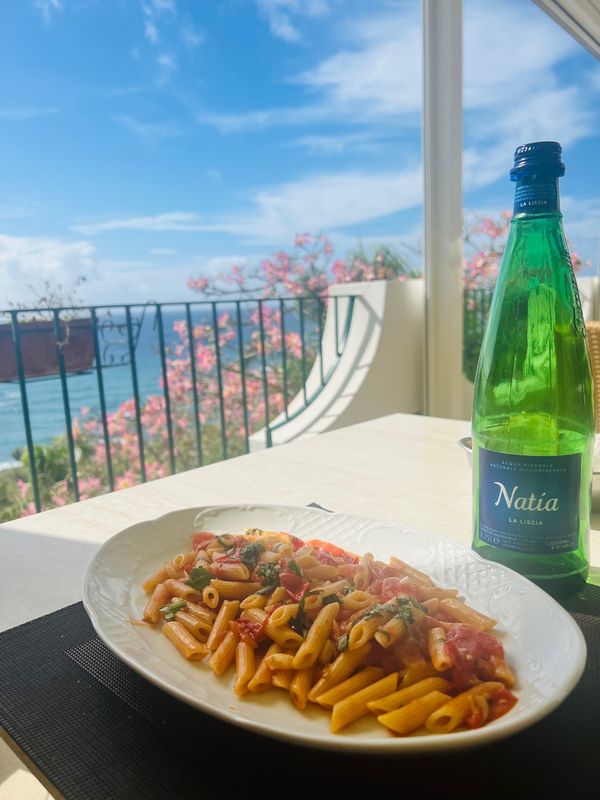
533,411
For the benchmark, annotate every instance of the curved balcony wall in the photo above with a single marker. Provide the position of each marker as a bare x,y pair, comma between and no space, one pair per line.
379,370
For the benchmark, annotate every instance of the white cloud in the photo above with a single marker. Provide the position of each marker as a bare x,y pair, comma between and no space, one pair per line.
140,281
47,8
339,144
191,36
16,212
162,251
151,31
377,76
16,113
167,66
326,201
28,261
171,221
279,13
147,130
153,11
582,223
512,94
318,202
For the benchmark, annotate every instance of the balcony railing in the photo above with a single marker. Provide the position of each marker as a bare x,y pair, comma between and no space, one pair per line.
169,386
476,309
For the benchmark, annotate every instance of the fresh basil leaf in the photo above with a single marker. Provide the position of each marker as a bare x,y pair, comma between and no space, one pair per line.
269,577
170,609
331,598
298,623
250,554
199,578
342,642
293,567
227,541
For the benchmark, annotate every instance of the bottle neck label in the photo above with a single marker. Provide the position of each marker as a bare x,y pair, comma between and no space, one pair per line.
529,504
536,196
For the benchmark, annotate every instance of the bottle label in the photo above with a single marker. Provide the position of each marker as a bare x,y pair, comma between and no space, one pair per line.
529,504
536,196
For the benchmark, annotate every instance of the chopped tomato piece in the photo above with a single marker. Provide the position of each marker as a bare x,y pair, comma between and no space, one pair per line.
472,644
295,585
334,550
297,543
323,557
202,539
248,630
478,713
501,702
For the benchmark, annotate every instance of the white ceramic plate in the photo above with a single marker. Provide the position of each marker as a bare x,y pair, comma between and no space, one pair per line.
542,642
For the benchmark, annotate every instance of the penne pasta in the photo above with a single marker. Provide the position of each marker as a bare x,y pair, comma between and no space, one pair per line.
211,596
300,686
391,632
411,717
451,714
224,654
357,637
350,686
343,666
157,577
309,650
183,640
234,590
220,627
244,666
404,696
262,679
197,627
440,658
355,706
283,678
462,613
159,597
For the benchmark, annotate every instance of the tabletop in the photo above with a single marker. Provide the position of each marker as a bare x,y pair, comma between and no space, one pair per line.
406,468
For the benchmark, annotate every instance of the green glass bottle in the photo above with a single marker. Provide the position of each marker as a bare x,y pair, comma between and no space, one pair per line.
533,411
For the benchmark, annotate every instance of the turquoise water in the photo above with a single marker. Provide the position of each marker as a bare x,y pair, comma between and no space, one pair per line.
45,396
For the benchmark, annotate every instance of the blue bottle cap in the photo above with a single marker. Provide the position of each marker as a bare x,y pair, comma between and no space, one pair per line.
538,158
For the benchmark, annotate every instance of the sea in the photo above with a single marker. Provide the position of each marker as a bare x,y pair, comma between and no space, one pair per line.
44,395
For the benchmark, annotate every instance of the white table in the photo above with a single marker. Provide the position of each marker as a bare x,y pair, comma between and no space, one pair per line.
400,467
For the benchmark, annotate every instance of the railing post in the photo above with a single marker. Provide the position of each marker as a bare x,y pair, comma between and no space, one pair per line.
102,397
25,406
166,395
215,323
192,348
136,393
66,402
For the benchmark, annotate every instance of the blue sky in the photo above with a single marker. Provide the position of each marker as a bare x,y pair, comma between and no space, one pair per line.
142,141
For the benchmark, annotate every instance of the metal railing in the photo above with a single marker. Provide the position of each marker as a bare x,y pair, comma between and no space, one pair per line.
476,309
222,370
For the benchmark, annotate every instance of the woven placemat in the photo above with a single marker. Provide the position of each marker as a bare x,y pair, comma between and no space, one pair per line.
96,730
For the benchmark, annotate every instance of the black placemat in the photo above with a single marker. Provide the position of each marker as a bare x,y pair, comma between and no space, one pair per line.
98,731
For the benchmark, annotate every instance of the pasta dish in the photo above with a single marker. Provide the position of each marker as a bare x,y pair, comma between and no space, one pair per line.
349,633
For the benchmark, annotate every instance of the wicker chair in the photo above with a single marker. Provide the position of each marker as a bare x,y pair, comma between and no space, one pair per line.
593,337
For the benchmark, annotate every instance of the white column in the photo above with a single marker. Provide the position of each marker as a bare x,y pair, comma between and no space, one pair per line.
442,158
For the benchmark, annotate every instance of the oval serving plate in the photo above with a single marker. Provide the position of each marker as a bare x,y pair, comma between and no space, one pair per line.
543,643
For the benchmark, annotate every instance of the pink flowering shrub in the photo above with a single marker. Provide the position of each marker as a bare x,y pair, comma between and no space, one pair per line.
485,241
305,272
